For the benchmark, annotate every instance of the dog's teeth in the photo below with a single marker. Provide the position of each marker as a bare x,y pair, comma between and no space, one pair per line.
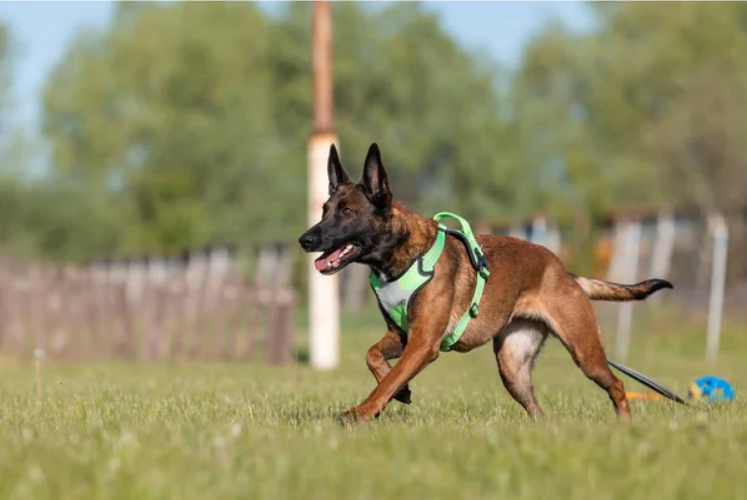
348,248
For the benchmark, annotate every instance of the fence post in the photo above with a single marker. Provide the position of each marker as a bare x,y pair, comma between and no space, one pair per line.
231,321
121,309
720,231
280,337
630,270
254,311
156,270
197,289
664,244
136,280
663,247
117,272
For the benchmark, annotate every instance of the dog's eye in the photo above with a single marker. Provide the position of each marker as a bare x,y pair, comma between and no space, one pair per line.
347,211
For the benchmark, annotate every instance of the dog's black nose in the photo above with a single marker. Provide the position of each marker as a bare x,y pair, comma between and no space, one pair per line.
307,241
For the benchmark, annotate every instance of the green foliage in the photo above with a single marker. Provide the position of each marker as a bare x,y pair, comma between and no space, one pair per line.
199,133
187,123
644,110
56,220
171,116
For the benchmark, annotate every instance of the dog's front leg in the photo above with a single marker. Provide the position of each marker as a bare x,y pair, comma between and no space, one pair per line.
389,347
420,351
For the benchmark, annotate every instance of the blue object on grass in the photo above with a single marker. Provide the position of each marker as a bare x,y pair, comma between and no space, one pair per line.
711,389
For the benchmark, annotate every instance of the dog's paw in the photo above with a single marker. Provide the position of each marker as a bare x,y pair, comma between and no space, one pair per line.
353,416
350,417
404,395
347,418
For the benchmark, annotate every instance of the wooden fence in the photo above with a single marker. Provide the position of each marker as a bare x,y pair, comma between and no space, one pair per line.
86,313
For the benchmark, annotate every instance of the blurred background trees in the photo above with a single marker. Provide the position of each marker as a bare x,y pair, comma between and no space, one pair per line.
186,123
199,134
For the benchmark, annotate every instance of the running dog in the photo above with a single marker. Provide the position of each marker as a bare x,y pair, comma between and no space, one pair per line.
529,295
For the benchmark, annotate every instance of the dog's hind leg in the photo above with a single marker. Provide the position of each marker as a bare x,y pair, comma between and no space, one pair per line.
389,347
572,319
516,347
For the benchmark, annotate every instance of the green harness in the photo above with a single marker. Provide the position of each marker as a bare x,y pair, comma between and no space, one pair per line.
395,297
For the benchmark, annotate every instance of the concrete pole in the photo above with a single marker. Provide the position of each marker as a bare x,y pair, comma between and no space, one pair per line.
324,309
663,246
718,283
545,233
625,318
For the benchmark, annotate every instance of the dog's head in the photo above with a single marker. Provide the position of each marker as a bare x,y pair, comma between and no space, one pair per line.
354,217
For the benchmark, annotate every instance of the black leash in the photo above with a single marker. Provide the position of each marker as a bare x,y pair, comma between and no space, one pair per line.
648,382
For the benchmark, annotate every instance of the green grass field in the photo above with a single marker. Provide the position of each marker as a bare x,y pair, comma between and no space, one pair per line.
235,431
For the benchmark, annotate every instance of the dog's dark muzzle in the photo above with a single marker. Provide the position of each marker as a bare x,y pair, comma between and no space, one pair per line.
311,240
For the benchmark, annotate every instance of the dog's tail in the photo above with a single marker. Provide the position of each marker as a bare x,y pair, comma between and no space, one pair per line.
604,290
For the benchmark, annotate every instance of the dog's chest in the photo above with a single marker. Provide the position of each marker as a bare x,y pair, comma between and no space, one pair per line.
393,296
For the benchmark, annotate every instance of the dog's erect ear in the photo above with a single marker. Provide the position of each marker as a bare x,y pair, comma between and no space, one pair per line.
336,174
374,180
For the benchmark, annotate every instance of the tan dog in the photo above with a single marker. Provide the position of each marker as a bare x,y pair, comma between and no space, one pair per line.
529,293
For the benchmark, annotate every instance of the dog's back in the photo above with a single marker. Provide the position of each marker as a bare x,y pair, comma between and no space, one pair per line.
511,251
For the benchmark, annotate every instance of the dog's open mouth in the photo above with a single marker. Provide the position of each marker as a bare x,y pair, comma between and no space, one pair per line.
334,260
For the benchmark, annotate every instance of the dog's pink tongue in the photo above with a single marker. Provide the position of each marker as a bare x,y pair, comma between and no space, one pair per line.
321,262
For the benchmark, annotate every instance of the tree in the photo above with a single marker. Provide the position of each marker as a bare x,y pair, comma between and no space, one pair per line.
194,118
166,112
647,108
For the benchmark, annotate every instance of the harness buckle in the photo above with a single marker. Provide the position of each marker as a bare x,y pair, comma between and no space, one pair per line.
483,263
474,310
